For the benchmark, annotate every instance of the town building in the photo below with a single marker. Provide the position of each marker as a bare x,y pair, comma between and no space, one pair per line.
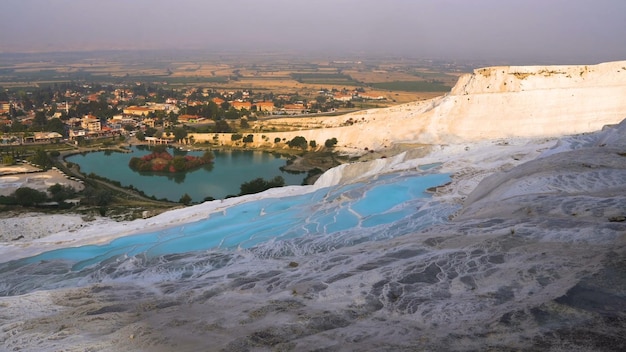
266,106
239,105
91,123
138,110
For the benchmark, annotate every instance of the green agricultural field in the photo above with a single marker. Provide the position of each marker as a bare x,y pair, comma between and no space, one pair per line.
412,86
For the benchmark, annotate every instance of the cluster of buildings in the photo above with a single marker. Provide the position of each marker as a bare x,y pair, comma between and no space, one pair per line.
139,109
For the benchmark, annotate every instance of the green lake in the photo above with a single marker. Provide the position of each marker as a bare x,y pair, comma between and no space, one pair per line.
229,170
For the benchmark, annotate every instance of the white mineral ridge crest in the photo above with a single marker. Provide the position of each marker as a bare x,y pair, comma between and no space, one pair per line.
499,102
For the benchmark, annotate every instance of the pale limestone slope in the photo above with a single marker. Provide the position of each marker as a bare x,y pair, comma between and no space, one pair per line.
531,102
491,103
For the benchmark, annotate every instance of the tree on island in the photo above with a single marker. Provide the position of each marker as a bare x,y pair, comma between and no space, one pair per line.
162,161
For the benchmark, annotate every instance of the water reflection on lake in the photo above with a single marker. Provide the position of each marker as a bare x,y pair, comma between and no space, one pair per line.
230,169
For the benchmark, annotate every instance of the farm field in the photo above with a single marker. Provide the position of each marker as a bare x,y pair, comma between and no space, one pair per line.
397,80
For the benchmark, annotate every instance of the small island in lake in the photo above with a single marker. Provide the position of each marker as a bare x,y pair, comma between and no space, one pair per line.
162,161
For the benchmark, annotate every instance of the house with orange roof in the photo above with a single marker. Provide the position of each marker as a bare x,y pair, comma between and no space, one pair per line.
138,110
239,105
267,106
5,106
293,109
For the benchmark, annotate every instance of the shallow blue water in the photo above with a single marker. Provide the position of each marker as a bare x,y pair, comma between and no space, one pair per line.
364,207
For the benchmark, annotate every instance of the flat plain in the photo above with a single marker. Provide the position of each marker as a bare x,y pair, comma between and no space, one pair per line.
397,80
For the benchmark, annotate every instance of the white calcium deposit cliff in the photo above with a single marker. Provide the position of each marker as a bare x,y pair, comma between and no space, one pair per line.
530,101
491,103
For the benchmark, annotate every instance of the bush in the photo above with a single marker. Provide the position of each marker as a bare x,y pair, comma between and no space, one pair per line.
10,200
248,139
27,197
99,197
60,193
277,140
298,142
236,136
41,158
312,144
8,160
330,142
259,185
185,199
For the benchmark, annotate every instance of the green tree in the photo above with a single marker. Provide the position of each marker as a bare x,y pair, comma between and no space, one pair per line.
8,160
140,136
41,158
236,137
179,133
312,144
185,199
60,192
150,131
248,139
40,120
221,126
179,163
27,197
330,143
259,185
17,126
159,148
232,114
99,197
56,125
298,142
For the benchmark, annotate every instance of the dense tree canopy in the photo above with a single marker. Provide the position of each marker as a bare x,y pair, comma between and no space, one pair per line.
298,142
26,196
259,185
41,158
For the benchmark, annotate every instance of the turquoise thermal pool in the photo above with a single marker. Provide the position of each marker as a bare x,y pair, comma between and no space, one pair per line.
363,208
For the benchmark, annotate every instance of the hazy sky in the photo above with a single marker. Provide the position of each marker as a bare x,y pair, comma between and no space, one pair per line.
568,31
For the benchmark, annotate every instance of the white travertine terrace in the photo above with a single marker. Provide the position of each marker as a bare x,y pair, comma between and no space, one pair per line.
532,259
